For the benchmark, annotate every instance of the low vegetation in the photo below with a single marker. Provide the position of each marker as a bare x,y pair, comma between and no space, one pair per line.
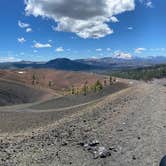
145,74
96,87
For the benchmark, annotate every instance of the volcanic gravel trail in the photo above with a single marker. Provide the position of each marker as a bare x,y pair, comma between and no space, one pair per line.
130,124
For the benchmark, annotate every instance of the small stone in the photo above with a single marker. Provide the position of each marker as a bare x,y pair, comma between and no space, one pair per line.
64,143
86,145
81,144
94,143
119,130
134,158
103,152
139,137
95,155
113,149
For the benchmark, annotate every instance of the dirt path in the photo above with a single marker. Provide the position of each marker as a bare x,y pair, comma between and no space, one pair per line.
130,125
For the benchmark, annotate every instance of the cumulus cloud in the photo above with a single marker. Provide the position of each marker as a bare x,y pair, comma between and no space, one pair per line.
139,50
130,28
114,19
122,55
147,3
22,24
59,49
25,26
86,18
40,45
99,49
21,40
29,30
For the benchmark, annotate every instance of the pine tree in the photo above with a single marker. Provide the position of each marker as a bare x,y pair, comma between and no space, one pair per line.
72,90
85,88
33,79
105,82
111,80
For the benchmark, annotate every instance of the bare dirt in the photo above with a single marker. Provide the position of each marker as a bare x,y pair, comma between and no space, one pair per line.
71,100
124,129
59,80
23,117
16,93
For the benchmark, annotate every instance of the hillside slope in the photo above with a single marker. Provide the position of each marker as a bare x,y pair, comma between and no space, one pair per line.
58,79
16,93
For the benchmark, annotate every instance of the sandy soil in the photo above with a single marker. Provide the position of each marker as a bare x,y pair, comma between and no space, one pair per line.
130,126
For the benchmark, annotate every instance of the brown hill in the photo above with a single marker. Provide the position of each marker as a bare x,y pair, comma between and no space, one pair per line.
51,79
16,93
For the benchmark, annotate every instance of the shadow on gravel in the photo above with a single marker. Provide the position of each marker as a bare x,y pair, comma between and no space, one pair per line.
69,101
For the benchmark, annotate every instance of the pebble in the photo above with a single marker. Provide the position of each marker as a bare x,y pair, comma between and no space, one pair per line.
94,143
103,152
113,149
134,158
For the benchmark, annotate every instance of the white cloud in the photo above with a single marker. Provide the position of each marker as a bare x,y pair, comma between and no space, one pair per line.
68,49
88,19
40,45
9,59
147,3
109,49
114,19
94,57
157,49
139,50
23,25
35,51
163,49
29,30
59,49
21,40
121,55
99,49
130,28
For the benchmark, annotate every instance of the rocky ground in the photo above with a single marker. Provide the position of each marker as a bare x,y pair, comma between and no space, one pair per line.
18,118
125,129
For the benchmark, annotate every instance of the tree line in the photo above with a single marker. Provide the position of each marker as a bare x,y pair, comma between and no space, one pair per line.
145,74
85,89
96,87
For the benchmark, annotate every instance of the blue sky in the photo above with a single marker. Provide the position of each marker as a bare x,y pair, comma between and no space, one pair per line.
136,28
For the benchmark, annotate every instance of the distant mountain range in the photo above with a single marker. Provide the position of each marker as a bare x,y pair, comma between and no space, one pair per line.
60,63
118,63
107,63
